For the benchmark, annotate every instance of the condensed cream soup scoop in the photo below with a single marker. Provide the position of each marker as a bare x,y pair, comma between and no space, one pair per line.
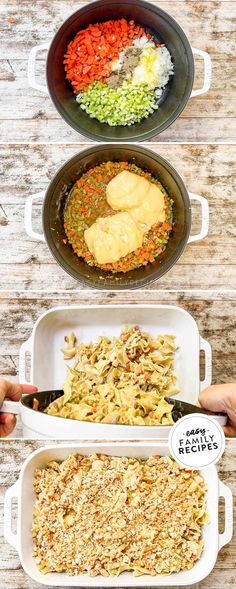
126,190
113,237
142,204
142,199
151,209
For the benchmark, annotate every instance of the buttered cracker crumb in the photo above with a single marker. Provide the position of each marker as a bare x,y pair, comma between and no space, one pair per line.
105,515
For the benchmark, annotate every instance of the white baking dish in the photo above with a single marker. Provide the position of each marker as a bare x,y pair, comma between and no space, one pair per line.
48,369
22,491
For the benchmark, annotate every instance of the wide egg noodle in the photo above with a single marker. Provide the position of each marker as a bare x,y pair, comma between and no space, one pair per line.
121,381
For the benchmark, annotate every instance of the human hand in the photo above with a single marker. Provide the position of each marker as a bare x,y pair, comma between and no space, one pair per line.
221,398
9,390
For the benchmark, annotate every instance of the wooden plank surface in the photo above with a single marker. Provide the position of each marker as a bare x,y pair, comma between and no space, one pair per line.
206,169
28,115
215,314
12,576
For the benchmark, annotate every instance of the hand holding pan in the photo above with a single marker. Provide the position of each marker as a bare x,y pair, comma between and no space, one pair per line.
13,392
42,399
181,408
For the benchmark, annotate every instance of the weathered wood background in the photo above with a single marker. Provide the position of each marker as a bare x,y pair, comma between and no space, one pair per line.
215,314
12,575
208,170
28,115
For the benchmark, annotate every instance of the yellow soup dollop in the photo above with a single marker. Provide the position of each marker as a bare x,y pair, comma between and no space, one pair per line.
126,190
113,237
142,204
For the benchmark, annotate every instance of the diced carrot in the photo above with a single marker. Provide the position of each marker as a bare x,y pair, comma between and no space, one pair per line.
166,226
97,46
35,404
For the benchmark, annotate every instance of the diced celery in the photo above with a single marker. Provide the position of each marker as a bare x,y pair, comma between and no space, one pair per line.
126,105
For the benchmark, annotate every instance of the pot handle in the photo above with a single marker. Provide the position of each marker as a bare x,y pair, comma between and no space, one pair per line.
28,216
10,407
10,494
205,217
226,493
31,68
26,347
206,347
207,72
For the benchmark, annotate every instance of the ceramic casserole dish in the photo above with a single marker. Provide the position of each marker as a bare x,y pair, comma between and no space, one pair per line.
22,492
48,369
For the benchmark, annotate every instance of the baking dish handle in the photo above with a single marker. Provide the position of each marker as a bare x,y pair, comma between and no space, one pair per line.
226,493
28,216
10,494
31,68
206,347
207,72
26,347
205,217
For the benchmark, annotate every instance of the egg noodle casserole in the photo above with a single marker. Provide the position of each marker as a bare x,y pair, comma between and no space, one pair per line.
121,381
105,515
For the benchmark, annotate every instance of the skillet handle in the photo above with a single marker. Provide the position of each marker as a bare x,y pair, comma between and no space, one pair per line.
207,72
10,407
206,347
28,216
10,537
31,68
226,493
205,217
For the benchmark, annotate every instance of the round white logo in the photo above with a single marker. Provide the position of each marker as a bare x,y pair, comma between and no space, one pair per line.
196,441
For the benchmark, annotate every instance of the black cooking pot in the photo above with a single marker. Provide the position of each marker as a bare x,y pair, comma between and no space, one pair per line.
57,194
165,30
